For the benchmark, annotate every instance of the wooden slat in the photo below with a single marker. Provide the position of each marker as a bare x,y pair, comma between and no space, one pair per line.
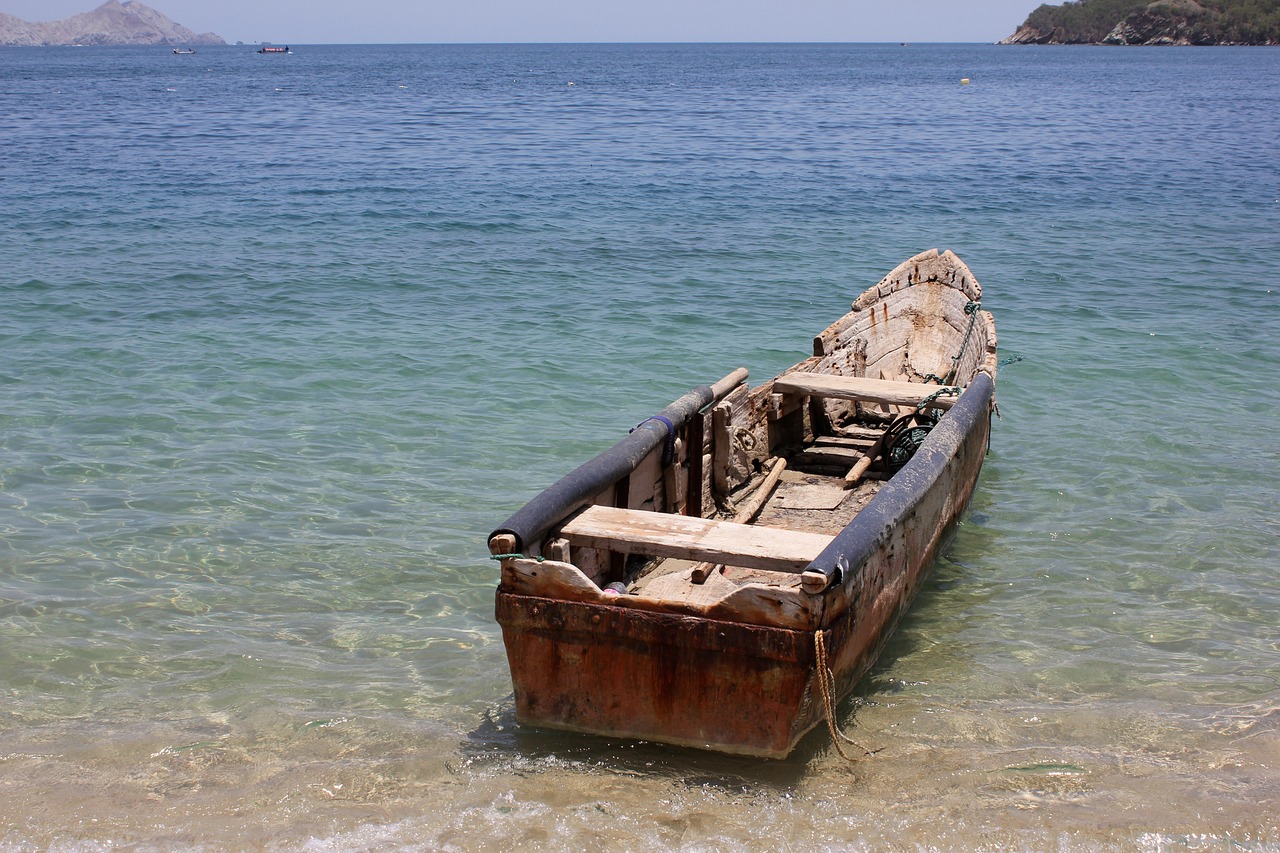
860,388
658,534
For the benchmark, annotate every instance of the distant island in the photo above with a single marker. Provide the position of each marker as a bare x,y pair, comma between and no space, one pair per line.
1185,22
112,23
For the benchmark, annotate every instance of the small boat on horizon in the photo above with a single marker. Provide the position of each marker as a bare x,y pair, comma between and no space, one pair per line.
270,49
724,575
183,51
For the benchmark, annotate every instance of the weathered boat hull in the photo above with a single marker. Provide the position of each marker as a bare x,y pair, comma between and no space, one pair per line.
655,676
735,589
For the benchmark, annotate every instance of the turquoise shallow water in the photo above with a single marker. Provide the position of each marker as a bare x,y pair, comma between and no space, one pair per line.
285,337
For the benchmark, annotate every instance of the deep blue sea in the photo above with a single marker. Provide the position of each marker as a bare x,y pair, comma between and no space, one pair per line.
284,337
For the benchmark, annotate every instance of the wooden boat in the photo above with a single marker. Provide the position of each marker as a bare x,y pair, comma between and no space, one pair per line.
727,572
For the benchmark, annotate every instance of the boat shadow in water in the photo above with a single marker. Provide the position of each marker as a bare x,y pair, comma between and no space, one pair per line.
499,743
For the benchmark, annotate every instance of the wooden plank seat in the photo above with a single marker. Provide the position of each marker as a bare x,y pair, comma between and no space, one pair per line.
886,391
659,534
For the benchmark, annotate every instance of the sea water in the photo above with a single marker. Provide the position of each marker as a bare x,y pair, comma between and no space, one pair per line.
284,337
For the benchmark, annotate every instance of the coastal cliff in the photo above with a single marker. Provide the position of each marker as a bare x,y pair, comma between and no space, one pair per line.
1164,22
112,23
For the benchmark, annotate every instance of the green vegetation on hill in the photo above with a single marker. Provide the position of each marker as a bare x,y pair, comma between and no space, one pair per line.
1163,22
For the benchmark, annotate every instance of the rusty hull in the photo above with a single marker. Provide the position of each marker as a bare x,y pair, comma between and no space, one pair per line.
682,680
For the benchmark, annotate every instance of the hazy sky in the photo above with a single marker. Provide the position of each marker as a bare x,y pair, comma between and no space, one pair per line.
416,21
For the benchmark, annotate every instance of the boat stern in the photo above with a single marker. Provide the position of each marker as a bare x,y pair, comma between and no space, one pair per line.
629,673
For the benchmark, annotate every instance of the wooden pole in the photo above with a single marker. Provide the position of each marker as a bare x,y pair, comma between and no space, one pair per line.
860,467
727,384
748,511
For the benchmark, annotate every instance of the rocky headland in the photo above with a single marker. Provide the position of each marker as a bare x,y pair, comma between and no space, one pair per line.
112,23
1164,22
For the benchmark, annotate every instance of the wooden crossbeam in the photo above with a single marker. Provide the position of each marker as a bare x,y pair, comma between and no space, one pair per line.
659,534
860,388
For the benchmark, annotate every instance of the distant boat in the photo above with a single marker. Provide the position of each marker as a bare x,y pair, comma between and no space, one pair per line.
183,51
266,49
